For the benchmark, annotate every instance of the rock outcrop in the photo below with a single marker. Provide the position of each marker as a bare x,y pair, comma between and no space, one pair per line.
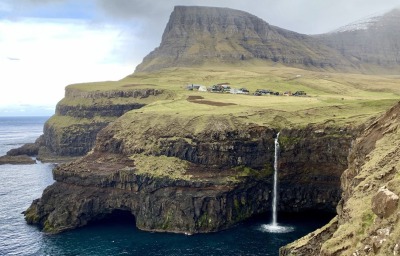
384,203
29,149
191,176
18,159
368,219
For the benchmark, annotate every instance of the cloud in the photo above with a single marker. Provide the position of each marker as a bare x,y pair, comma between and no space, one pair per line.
53,54
124,9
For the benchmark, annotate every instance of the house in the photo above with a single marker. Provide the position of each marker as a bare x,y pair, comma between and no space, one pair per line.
217,88
260,92
243,91
239,91
202,88
193,87
226,87
300,93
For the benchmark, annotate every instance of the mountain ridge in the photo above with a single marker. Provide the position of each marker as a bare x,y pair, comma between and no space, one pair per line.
197,36
373,42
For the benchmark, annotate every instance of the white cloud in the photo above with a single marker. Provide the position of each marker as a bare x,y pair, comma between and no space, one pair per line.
38,58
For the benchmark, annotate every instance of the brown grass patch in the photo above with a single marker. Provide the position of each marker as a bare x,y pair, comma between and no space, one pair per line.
199,100
193,98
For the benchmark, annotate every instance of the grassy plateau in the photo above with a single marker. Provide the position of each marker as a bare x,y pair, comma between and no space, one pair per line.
334,98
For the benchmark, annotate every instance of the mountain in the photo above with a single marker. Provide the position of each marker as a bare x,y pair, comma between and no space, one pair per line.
197,36
373,41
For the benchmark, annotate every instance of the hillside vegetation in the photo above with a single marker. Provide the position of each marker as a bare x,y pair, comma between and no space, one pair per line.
331,97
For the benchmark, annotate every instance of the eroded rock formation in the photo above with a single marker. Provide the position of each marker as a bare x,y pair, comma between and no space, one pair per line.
208,178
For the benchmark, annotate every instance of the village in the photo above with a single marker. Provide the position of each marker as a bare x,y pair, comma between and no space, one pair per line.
226,88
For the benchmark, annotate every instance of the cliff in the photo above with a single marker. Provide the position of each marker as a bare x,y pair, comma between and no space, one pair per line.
72,131
198,36
191,176
368,221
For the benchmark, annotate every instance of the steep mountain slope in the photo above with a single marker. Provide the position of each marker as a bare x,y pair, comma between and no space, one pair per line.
368,213
373,41
197,36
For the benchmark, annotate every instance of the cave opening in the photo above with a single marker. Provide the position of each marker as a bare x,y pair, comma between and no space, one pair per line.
116,217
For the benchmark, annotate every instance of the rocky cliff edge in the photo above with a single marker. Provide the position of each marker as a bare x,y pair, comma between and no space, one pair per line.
192,175
368,213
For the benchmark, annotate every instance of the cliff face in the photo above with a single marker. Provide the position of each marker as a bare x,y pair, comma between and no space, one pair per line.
311,163
193,176
205,35
111,183
81,115
368,219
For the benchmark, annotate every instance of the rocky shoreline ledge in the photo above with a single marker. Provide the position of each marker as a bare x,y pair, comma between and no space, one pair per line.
20,159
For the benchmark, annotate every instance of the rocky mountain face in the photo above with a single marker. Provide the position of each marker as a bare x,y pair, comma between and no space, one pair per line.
368,213
203,180
374,41
205,35
196,36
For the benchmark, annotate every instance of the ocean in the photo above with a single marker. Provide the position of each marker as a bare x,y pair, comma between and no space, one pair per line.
20,184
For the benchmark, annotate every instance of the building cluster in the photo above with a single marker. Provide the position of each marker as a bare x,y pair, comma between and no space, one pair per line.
227,88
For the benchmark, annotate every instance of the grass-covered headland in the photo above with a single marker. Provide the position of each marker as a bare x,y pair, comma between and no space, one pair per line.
331,97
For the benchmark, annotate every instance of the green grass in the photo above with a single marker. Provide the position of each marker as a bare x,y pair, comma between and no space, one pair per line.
332,97
161,166
67,121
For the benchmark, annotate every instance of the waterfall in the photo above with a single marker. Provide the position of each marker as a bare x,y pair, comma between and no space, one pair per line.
275,185
274,227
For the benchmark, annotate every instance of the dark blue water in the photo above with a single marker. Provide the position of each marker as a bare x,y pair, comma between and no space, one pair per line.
20,184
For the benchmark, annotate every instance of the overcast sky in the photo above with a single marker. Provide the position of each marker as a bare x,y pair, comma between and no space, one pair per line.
48,44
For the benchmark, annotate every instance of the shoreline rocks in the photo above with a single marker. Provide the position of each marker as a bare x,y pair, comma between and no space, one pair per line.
19,159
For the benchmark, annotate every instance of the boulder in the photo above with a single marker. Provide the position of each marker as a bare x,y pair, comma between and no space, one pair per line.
384,203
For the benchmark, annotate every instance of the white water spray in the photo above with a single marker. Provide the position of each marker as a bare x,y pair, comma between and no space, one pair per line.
274,227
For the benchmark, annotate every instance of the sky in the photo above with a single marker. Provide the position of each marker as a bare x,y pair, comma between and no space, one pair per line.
47,44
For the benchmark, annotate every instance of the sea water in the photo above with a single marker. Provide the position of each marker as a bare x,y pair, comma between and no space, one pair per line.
20,184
